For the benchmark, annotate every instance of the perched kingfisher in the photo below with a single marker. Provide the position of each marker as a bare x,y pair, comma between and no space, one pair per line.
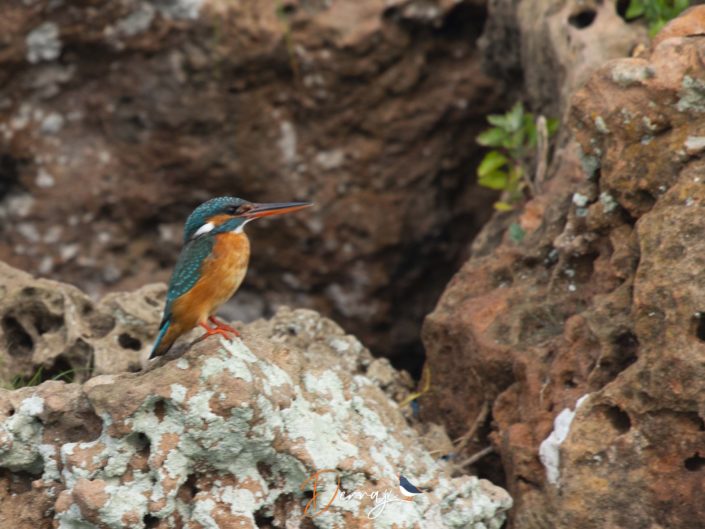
211,266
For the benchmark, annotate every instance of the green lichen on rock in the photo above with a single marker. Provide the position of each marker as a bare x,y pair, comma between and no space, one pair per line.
692,95
229,431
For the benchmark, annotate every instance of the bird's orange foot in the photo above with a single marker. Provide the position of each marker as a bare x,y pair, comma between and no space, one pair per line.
223,326
215,330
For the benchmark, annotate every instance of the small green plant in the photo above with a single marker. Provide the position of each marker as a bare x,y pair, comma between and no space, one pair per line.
39,376
513,137
656,12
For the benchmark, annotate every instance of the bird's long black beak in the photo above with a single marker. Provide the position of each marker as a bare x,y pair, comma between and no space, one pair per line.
277,208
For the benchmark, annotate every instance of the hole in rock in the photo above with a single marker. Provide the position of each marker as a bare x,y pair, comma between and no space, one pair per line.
44,321
644,200
160,410
141,442
150,521
697,420
129,342
618,418
17,340
464,21
625,353
694,463
191,485
698,325
59,370
583,19
287,9
622,6
9,175
263,520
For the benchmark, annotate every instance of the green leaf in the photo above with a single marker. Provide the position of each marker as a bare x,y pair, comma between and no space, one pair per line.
498,120
515,143
655,27
492,137
503,206
492,161
635,10
516,232
515,117
495,180
552,126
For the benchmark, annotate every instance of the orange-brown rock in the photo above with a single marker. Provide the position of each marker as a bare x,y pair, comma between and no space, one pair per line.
588,335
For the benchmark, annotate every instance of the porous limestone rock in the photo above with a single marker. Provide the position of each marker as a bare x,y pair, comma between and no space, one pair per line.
228,436
553,46
55,327
118,117
601,304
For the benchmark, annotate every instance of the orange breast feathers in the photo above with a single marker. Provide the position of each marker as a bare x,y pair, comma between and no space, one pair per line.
221,275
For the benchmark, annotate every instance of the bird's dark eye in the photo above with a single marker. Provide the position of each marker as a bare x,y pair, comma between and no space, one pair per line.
239,210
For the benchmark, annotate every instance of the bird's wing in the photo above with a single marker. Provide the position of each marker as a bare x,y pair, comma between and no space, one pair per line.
406,484
187,270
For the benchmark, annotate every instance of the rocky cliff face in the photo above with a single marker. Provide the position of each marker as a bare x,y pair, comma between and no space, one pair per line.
587,336
119,117
229,435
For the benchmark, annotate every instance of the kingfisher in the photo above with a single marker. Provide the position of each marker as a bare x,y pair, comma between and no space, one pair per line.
212,264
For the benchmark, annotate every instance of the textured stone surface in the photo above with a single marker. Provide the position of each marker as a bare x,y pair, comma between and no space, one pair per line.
226,435
56,327
602,304
553,47
118,117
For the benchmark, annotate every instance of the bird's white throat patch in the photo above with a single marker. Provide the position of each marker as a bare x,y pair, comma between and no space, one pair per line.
241,227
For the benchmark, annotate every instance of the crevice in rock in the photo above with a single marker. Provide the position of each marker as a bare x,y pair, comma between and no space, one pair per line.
489,467
18,341
698,325
9,175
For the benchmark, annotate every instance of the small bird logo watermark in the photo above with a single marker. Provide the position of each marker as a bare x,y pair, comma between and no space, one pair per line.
407,489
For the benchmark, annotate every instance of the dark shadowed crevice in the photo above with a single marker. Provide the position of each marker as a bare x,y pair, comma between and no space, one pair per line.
618,419
9,175
18,341
694,463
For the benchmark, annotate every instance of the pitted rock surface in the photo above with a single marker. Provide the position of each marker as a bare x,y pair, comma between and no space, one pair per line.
587,337
57,328
226,435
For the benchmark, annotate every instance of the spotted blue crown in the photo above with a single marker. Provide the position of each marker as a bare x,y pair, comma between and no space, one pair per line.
205,211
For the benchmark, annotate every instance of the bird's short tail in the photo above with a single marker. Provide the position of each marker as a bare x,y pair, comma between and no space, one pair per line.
164,340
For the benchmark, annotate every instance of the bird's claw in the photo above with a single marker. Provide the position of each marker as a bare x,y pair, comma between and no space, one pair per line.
223,326
223,330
